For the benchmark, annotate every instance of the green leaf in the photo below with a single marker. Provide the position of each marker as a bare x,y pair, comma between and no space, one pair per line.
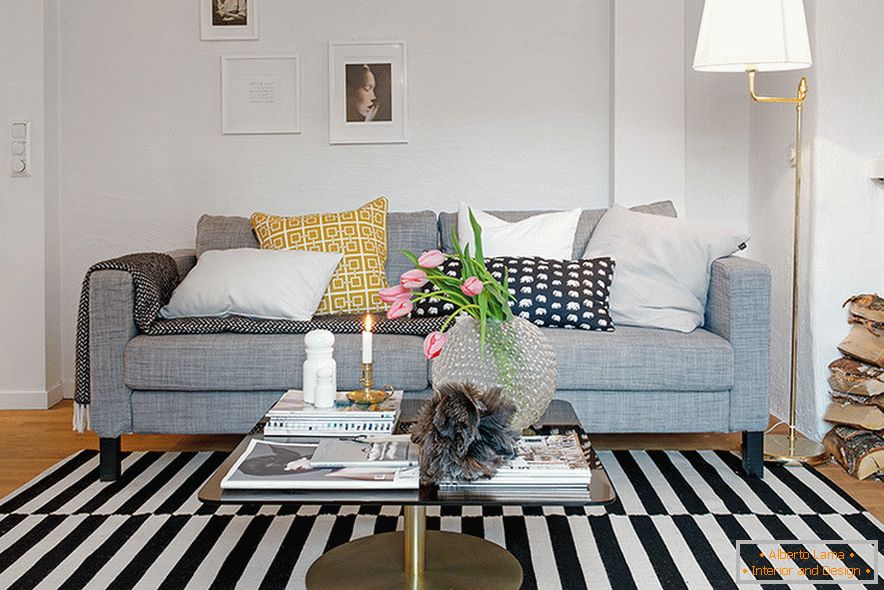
456,244
477,239
410,257
466,265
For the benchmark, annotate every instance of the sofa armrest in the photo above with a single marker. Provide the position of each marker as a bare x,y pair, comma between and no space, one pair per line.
185,259
111,326
738,310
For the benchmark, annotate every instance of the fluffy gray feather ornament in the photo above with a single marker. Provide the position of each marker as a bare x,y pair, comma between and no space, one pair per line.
464,433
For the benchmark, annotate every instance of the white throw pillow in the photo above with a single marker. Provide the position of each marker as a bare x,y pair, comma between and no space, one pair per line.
263,284
663,266
548,235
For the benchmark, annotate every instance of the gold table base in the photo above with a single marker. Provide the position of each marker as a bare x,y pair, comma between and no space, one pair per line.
778,447
416,559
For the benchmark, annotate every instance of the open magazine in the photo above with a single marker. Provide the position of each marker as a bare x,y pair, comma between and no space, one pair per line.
269,465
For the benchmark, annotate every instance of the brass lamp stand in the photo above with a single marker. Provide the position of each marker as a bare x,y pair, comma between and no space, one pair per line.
789,448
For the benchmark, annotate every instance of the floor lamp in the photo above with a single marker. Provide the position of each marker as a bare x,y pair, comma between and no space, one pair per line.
765,36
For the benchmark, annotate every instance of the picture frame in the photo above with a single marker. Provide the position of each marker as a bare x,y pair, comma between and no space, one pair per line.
367,93
260,94
229,20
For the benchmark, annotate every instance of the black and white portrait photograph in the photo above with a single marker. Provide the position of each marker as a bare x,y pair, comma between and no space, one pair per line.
230,13
229,20
367,92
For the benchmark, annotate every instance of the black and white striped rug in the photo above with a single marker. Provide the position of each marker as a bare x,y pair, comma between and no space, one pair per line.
674,525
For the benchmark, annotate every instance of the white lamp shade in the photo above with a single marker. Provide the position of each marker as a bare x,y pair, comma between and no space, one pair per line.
763,35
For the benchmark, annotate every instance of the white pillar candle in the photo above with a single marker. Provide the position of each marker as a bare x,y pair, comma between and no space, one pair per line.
366,340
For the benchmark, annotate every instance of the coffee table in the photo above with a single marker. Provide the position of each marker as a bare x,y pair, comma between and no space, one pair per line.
416,557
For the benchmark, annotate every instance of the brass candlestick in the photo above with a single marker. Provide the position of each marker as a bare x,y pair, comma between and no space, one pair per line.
367,395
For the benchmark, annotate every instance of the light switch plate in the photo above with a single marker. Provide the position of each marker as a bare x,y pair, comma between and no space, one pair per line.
876,168
19,149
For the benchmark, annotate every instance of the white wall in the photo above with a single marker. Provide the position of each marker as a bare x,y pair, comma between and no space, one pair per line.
716,136
847,206
842,209
23,366
649,102
511,105
508,107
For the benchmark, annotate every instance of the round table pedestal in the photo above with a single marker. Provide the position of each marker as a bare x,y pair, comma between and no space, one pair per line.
416,559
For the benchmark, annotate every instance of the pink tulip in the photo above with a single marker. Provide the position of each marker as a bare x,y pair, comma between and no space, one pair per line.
472,287
433,344
391,294
413,279
399,308
431,259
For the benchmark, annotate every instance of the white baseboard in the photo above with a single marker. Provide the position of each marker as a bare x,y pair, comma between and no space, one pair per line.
31,400
55,395
68,389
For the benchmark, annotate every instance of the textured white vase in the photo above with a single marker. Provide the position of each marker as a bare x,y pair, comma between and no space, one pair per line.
517,357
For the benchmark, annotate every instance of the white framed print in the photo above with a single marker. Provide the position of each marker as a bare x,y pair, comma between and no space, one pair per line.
367,92
228,20
260,94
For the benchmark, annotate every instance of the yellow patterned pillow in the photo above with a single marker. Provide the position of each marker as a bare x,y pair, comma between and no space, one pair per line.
360,235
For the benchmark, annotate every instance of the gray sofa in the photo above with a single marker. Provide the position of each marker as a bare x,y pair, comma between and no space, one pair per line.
629,380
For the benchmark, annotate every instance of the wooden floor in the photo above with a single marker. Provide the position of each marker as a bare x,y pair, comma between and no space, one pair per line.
35,440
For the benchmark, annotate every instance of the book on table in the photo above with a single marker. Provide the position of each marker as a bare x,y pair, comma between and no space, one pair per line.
276,465
291,416
367,451
549,461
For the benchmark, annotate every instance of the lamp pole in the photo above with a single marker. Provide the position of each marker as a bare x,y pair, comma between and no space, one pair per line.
789,448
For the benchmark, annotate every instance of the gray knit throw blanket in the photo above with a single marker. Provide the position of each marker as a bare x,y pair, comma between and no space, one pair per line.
155,276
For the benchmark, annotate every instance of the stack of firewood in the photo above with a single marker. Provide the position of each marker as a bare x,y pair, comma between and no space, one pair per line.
857,388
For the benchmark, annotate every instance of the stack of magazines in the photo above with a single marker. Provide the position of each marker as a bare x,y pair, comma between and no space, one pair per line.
543,463
366,463
291,416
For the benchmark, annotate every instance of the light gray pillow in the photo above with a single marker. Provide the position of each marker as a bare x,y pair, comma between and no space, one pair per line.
663,266
263,284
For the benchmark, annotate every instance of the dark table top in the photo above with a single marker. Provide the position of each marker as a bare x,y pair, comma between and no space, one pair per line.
559,418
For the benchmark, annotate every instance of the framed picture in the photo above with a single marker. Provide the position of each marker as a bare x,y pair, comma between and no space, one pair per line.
367,92
228,20
260,94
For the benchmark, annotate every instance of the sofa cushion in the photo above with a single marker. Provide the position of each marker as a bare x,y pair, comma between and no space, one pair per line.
642,359
359,235
414,231
261,362
222,232
588,220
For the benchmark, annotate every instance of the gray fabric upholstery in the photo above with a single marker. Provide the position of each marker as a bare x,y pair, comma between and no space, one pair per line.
413,231
650,411
111,325
589,218
631,380
255,362
642,359
220,232
199,412
185,259
738,309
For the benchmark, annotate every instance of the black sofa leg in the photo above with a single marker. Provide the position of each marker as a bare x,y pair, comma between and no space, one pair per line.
109,459
753,453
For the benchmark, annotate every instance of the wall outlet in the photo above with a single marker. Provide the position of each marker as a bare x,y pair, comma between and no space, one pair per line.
19,149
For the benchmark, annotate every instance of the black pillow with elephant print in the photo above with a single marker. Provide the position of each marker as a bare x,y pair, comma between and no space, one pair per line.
548,293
